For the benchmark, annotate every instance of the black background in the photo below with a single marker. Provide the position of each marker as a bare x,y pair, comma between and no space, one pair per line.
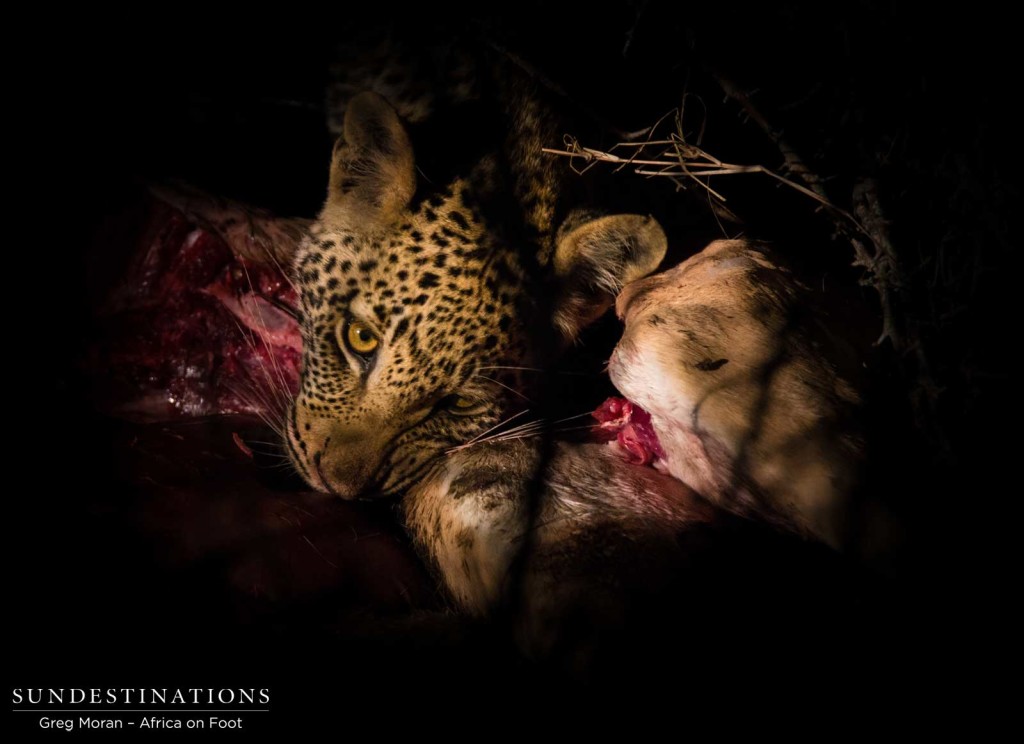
102,104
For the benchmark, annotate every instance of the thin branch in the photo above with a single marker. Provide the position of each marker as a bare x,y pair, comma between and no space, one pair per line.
794,163
683,160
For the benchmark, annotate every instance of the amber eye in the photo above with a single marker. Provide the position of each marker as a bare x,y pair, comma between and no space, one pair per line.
359,337
461,406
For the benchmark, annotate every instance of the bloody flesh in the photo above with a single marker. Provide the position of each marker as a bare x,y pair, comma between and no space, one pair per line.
195,328
628,424
200,324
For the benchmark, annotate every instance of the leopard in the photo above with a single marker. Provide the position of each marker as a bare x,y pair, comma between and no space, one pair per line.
420,308
420,305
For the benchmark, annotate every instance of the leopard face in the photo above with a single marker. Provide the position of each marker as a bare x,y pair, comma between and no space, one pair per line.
418,315
406,333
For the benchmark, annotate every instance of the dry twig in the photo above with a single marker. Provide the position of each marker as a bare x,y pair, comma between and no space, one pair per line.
671,156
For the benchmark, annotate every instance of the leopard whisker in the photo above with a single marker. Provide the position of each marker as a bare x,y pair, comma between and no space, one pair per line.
477,438
543,424
523,431
501,384
284,307
277,264
265,453
571,418
488,434
499,424
527,425
254,400
277,388
538,369
284,390
264,410
258,441
577,428
524,435
526,429
254,395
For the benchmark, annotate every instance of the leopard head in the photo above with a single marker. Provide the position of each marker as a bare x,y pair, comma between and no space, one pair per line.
417,308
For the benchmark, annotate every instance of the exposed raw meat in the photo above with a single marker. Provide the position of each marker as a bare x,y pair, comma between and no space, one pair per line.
201,322
630,426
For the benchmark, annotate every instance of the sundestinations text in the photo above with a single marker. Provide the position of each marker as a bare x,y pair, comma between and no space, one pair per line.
140,696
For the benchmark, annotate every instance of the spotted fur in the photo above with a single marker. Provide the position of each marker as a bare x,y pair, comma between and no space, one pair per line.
418,73
458,283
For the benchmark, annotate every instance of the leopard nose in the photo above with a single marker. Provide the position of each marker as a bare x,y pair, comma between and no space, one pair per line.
347,464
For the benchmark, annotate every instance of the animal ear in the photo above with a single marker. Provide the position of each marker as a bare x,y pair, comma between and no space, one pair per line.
595,259
372,170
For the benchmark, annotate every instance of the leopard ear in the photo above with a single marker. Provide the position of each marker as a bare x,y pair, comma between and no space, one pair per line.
595,259
372,170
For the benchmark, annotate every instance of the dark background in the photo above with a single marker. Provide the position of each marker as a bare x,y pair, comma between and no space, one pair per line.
105,104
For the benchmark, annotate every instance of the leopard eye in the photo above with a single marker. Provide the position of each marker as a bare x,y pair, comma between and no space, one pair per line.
359,337
462,406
